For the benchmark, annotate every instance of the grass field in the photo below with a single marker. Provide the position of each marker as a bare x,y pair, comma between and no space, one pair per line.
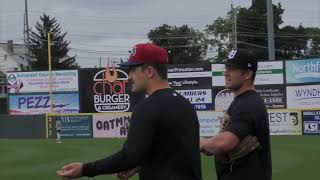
294,157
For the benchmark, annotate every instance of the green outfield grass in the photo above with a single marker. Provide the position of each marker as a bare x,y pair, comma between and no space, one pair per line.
294,157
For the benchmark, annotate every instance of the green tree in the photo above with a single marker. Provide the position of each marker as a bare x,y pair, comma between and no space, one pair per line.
291,42
184,44
251,31
59,46
314,38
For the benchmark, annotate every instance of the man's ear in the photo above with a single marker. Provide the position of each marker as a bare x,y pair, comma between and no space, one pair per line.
248,74
150,72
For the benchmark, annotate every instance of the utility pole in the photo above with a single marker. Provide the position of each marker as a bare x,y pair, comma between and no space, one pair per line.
27,31
50,73
100,62
234,27
25,37
271,52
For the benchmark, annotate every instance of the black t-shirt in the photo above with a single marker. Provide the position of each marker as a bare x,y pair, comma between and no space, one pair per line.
248,115
163,139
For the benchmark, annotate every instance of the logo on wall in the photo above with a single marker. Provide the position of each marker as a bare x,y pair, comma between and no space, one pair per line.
311,122
281,118
223,99
302,71
109,90
13,84
310,127
303,96
110,125
285,122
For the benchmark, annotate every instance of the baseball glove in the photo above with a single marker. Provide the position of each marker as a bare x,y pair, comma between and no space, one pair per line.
247,145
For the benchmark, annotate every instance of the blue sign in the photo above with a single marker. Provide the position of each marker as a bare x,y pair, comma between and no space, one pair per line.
40,104
303,71
311,122
201,99
79,126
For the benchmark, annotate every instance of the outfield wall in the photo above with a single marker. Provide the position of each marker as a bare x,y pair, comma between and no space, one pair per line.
22,127
115,125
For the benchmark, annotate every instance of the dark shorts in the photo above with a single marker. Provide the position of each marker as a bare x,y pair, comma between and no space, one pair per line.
58,131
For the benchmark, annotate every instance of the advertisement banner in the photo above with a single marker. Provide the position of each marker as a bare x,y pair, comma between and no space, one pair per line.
110,125
303,71
190,83
209,122
274,97
285,122
74,126
267,73
201,99
189,76
218,75
105,90
40,104
311,122
222,98
38,81
303,97
189,70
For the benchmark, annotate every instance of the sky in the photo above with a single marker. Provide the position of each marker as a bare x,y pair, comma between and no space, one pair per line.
109,28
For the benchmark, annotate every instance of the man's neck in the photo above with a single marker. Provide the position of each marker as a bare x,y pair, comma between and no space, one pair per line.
243,89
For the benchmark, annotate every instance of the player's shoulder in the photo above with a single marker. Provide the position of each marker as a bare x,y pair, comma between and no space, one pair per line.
250,101
163,95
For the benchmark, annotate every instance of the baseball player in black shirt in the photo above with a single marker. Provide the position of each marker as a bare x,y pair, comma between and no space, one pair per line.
163,138
242,148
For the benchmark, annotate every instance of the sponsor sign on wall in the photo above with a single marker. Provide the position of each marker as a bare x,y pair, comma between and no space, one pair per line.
209,122
27,82
189,76
105,90
267,73
311,122
303,97
303,71
110,125
201,99
190,83
40,104
218,75
274,97
222,98
189,71
79,126
285,122
110,91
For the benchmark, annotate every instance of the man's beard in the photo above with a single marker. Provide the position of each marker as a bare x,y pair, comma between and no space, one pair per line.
136,91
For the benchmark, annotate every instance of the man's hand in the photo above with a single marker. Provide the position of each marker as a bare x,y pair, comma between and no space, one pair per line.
71,171
223,122
202,145
125,175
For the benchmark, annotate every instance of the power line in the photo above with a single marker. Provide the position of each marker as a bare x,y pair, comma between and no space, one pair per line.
132,37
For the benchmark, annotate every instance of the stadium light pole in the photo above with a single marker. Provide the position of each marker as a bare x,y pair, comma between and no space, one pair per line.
271,49
50,70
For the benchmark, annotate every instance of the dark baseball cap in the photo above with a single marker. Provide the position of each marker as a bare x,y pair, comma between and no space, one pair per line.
146,53
241,59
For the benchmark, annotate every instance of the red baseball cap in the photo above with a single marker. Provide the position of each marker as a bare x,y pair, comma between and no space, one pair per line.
146,53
